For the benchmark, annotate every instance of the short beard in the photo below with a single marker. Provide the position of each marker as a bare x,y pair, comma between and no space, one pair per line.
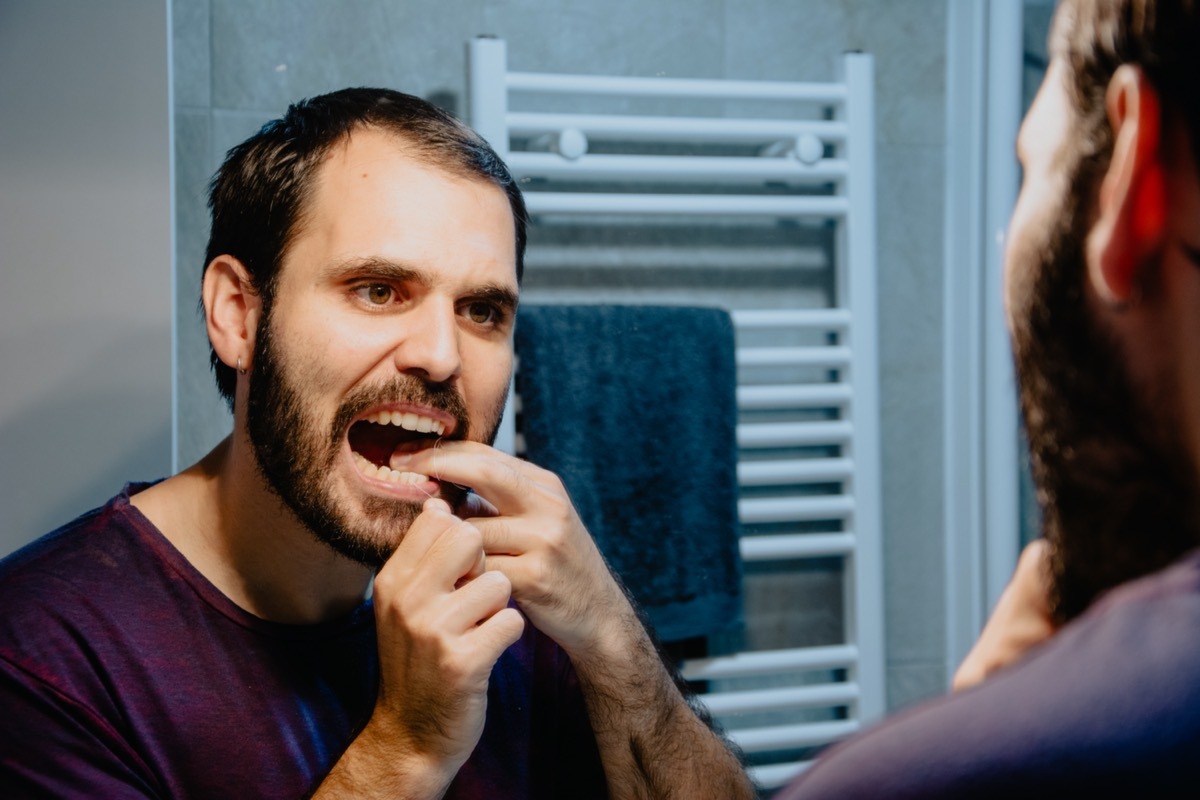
1115,487
297,462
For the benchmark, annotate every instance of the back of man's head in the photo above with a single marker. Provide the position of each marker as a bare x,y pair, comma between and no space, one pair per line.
258,196
1118,490
1096,37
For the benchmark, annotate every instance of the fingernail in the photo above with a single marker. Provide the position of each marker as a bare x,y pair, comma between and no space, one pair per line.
436,504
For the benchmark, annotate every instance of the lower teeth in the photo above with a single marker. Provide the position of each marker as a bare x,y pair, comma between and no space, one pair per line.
388,474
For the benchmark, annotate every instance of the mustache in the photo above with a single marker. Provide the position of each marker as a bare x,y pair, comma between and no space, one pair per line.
404,389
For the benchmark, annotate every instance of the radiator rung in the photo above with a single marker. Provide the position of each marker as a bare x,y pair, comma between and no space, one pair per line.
794,471
819,318
778,699
638,86
684,204
802,395
771,662
678,169
791,434
634,128
760,510
830,357
798,545
783,737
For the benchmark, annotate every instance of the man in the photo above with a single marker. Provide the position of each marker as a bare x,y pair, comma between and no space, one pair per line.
208,635
1103,301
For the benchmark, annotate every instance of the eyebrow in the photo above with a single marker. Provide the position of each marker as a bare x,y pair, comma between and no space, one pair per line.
374,267
499,295
399,272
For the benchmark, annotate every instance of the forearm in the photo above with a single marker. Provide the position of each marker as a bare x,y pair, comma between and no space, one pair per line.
377,765
652,744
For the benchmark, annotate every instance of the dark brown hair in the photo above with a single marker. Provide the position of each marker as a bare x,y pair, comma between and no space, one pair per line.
1096,37
258,196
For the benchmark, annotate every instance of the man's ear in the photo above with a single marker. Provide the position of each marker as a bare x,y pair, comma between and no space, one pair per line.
232,308
1131,218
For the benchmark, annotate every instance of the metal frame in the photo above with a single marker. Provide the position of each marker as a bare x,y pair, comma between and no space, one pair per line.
981,433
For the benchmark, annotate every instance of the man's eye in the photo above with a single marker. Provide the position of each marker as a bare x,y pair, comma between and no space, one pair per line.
482,313
378,294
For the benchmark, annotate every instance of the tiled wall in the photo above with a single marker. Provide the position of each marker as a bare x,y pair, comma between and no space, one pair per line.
240,62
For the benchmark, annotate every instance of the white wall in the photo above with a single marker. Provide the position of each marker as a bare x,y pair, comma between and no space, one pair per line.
85,256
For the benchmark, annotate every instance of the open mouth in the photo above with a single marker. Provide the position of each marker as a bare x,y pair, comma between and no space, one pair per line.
378,435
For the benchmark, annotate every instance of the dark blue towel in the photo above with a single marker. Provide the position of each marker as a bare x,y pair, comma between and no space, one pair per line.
634,407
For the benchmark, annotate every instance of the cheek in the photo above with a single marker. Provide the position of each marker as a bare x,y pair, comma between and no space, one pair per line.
487,372
1013,259
1021,255
333,355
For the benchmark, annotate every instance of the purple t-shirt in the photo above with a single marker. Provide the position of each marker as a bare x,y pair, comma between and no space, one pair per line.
1110,707
124,673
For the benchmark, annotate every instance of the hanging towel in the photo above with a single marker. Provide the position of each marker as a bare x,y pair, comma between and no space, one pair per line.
634,407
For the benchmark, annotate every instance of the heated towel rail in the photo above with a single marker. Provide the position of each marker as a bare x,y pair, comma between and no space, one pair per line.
790,164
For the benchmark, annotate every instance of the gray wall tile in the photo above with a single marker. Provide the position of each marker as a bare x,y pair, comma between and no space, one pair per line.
909,43
618,37
770,40
909,683
190,52
200,416
909,200
269,53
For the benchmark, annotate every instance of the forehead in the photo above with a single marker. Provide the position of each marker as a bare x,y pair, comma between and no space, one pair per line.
1045,129
374,196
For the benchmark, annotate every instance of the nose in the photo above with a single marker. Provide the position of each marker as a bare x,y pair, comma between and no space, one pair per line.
429,349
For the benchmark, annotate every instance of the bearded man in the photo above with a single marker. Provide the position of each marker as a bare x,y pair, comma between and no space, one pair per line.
319,607
1086,682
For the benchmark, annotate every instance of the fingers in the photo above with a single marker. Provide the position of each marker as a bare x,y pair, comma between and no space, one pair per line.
1020,621
501,480
446,555
442,621
501,631
1032,578
500,538
558,577
438,551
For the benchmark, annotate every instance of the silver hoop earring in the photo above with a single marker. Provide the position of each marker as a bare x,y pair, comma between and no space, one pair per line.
240,370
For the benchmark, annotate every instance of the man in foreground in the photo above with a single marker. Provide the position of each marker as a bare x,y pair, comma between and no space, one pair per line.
208,635
1103,299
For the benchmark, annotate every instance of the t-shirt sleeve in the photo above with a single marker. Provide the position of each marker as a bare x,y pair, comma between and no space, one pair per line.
53,747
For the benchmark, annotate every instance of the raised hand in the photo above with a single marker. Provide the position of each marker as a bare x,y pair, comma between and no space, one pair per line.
536,538
1020,621
651,742
443,620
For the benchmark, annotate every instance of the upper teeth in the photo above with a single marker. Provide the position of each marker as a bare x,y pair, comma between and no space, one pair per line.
408,420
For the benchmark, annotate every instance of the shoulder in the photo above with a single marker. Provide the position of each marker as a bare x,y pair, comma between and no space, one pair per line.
1111,703
80,552
68,582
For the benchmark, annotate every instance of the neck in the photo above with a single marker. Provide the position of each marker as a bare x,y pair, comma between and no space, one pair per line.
225,520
